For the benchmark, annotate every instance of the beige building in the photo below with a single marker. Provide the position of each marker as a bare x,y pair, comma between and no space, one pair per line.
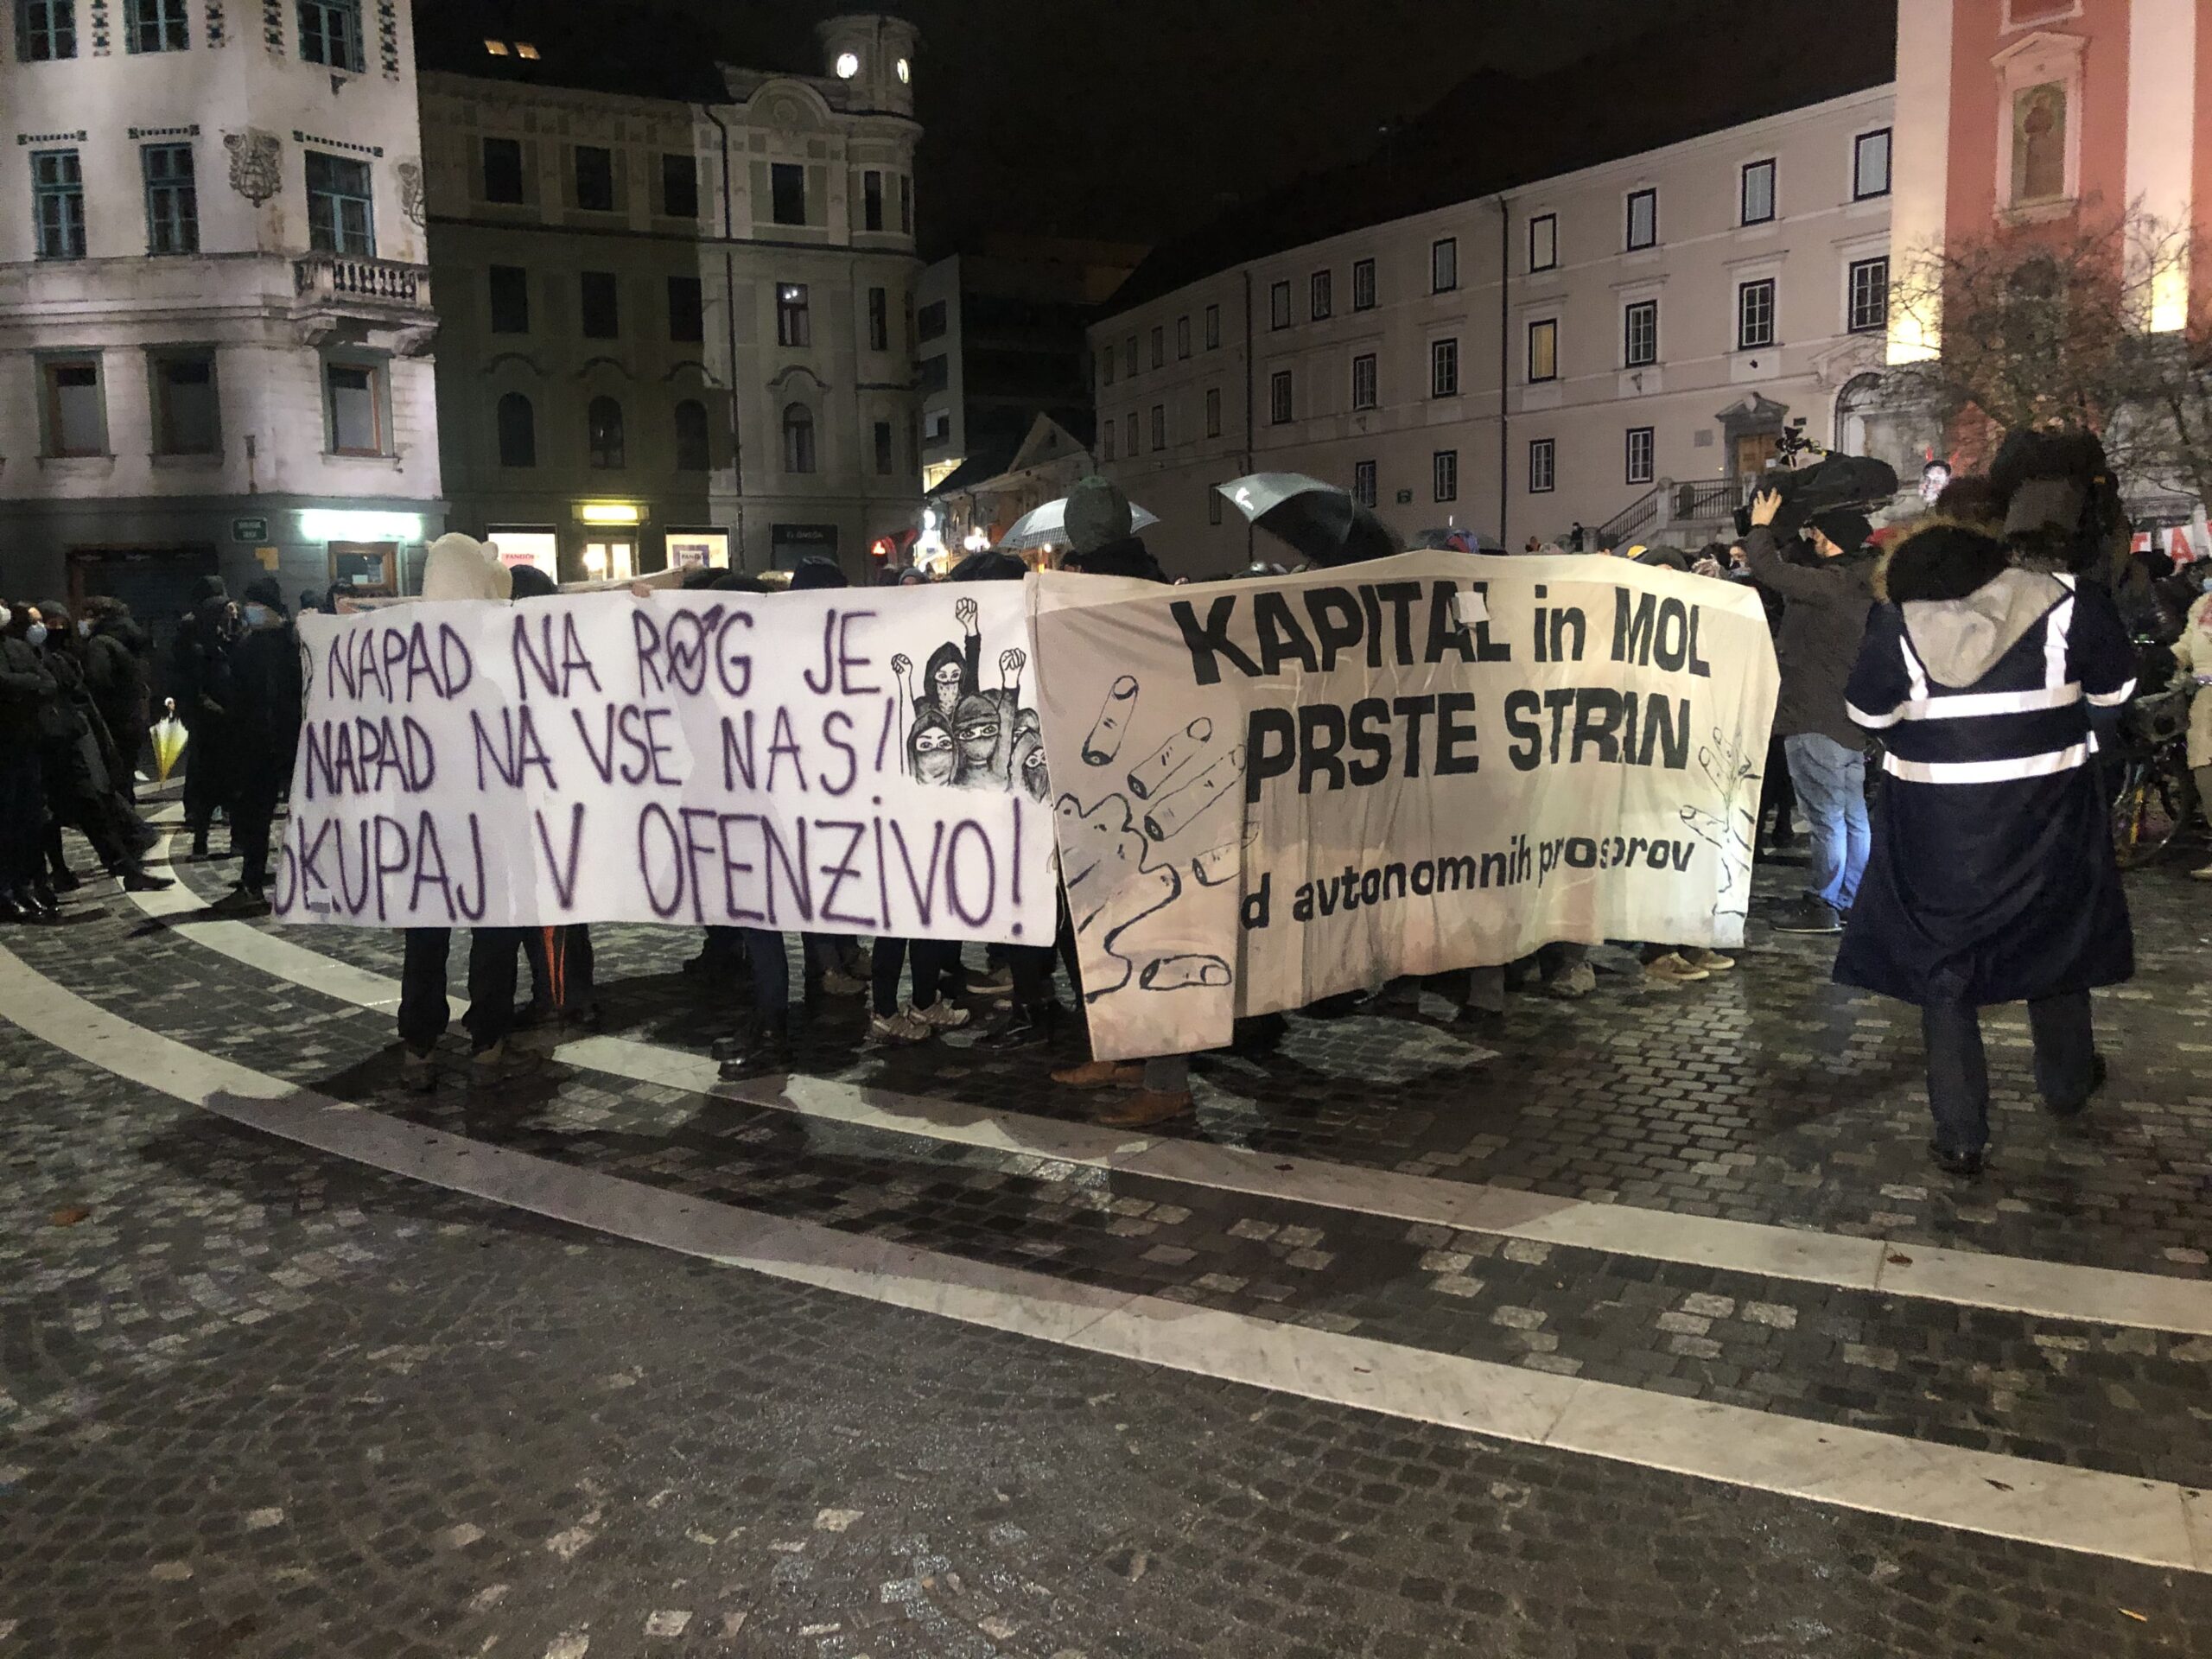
1618,346
680,332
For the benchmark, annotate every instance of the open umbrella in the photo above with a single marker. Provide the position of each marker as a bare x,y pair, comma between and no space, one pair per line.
1048,526
170,739
1458,540
1320,522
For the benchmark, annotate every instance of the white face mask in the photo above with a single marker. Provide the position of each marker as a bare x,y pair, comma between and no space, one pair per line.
257,616
6,616
35,635
84,630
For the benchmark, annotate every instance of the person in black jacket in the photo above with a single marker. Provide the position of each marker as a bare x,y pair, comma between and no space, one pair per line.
80,763
25,690
199,663
1825,603
1993,879
116,650
263,710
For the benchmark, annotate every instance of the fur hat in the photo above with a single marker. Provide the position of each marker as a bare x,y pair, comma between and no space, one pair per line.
1942,558
461,567
1097,515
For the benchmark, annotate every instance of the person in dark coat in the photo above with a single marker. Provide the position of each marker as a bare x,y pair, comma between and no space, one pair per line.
265,695
1993,879
117,653
1824,601
80,763
199,667
25,690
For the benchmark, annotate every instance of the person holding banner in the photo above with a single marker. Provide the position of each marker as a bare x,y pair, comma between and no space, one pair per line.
1993,879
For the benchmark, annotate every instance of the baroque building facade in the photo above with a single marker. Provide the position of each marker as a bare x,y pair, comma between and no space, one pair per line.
681,333
216,315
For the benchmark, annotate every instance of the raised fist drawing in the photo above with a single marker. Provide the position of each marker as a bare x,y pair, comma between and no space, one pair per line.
965,613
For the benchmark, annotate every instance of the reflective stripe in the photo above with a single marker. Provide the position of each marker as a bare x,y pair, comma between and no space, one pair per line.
2055,629
2112,699
1874,722
1987,771
1967,705
1915,675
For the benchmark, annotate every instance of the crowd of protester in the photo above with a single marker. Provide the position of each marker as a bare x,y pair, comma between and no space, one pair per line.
1981,655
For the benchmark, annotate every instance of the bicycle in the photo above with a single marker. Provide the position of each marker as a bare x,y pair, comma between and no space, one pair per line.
2156,795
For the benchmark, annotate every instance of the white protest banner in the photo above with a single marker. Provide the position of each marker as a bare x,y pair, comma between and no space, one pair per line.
1272,790
836,761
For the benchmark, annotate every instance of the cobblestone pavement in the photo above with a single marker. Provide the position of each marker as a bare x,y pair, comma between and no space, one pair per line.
255,1401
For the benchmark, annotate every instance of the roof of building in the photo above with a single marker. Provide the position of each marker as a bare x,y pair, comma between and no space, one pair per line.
642,49
1712,65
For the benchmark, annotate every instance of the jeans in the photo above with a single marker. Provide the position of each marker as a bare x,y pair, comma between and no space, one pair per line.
1958,1071
1831,783
423,1010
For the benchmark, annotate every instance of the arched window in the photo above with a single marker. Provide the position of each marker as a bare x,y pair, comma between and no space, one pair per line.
517,425
693,453
799,438
604,422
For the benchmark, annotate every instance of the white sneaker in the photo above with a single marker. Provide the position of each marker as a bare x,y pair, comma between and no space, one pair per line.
1671,970
940,1016
901,1030
1573,983
1711,960
2204,874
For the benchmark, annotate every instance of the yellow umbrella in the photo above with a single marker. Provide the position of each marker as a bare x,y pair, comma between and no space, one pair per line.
170,739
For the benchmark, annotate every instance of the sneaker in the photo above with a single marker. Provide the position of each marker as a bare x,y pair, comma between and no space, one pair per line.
501,1063
834,983
417,1074
1030,1027
1142,1110
2204,874
1575,982
1099,1074
1809,915
1673,969
998,979
1711,960
901,1029
940,1016
139,882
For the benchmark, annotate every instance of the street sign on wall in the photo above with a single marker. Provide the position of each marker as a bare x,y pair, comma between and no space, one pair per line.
251,531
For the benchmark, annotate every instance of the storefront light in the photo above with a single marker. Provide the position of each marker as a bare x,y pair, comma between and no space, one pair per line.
611,513
333,524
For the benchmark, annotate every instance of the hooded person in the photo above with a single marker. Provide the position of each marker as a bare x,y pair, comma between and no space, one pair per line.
116,650
1102,541
1824,605
815,573
266,695
199,680
1993,879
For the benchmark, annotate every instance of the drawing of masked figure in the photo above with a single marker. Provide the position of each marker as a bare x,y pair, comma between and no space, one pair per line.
931,756
986,723
1029,773
953,671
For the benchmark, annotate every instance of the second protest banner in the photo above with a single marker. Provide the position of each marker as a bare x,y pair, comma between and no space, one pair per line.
836,761
1272,790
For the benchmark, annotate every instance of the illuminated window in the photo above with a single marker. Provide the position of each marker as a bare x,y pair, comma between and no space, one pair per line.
495,49
794,324
1543,350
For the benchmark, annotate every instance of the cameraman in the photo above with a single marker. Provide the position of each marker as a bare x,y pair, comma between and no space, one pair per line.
1825,602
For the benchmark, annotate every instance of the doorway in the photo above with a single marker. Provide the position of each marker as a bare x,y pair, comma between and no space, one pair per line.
610,560
1756,452
366,569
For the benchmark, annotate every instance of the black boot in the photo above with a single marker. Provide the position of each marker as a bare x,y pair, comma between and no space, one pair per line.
37,906
65,880
41,894
767,1049
1031,1028
199,841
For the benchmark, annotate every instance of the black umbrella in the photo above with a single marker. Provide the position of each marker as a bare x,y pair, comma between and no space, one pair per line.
1322,523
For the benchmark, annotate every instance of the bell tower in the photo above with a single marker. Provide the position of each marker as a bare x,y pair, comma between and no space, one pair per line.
873,55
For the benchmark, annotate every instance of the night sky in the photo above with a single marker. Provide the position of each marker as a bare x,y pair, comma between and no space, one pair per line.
1137,120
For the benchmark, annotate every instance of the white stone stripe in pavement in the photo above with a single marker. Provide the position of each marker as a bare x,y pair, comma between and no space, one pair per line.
2154,1522
1926,1272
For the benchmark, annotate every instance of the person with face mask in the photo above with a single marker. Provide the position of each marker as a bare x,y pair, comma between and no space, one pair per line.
25,689
265,711
79,761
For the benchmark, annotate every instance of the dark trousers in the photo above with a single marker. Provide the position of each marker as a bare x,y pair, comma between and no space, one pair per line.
772,971
252,814
1958,1071
560,967
22,817
206,773
1778,794
932,957
423,1010
1032,965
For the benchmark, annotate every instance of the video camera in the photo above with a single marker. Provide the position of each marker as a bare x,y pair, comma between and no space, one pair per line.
1858,482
